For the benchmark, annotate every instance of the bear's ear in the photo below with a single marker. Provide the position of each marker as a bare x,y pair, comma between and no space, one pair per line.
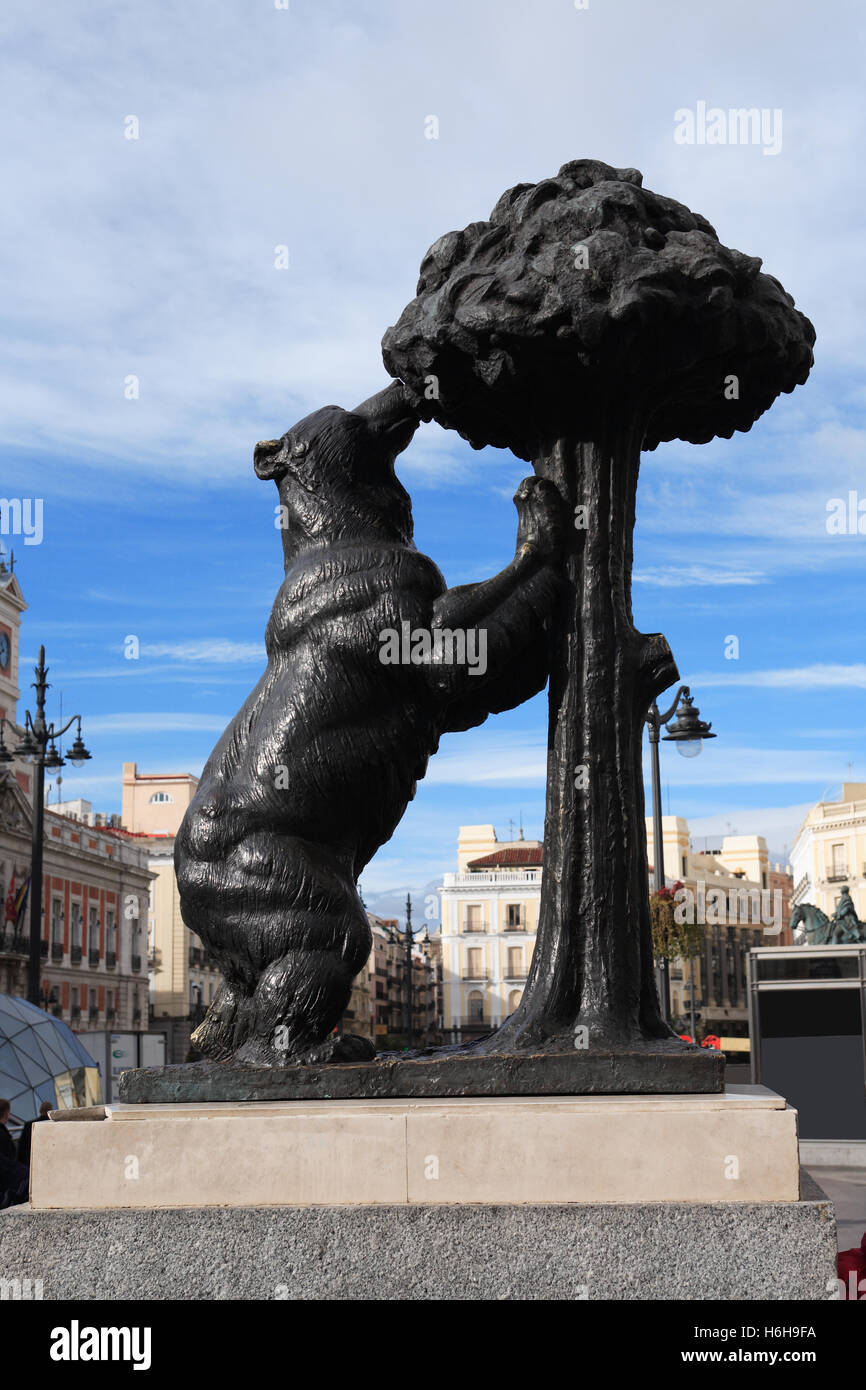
269,459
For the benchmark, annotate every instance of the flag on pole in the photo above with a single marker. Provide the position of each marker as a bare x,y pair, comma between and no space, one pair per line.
21,900
10,902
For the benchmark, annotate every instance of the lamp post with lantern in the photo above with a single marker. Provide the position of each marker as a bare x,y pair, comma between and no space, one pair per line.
38,746
688,732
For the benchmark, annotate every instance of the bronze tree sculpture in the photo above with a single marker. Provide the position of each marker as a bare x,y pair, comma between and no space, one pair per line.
587,320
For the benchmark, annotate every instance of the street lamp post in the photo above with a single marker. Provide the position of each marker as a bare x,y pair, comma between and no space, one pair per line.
409,971
38,747
688,732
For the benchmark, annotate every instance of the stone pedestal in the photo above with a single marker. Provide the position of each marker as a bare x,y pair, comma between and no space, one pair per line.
589,1197
620,1250
736,1147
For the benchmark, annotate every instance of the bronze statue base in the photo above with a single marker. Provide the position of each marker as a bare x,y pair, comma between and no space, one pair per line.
659,1069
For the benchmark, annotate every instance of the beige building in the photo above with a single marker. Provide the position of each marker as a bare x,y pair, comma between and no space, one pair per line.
154,802
489,924
490,919
830,851
184,979
739,856
384,978
727,883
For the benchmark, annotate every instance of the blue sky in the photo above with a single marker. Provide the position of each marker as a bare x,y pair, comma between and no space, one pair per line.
261,127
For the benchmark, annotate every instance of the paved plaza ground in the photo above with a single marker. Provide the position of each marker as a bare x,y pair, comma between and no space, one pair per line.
846,1188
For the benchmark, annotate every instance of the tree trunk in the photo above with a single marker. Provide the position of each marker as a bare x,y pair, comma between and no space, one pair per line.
593,959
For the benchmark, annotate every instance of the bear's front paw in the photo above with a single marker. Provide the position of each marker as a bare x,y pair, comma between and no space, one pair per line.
541,517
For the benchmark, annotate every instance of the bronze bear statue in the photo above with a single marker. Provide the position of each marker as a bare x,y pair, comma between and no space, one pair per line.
316,770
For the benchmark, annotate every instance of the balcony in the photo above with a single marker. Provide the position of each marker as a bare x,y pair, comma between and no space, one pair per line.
110,1015
136,964
14,945
136,1015
477,975
75,955
57,950
493,880
474,926
110,960
838,875
43,949
57,1010
93,957
92,1014
75,1013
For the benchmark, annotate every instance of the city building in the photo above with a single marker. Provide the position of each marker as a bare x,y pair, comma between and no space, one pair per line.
184,977
94,912
12,605
830,852
489,924
490,919
385,975
95,883
714,985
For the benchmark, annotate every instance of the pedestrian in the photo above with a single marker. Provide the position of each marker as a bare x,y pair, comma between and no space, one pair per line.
27,1133
7,1143
13,1175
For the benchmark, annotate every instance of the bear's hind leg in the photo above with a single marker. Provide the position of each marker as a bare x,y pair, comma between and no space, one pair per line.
217,1034
298,1000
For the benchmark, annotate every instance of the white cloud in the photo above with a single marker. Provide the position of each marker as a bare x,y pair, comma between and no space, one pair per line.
154,257
136,722
217,650
698,576
821,676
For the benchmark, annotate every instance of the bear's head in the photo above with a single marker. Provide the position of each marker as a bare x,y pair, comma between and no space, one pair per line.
335,474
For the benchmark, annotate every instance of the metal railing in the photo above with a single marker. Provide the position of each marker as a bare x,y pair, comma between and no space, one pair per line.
481,879
14,944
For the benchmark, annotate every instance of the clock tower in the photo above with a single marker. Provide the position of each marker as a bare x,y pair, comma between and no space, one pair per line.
12,605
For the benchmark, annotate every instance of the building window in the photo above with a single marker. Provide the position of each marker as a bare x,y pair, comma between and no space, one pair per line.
515,962
514,916
472,920
839,869
475,1005
160,799
93,928
56,920
514,999
475,963
75,924
110,931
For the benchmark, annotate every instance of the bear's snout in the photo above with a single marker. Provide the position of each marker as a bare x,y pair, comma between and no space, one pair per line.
268,457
